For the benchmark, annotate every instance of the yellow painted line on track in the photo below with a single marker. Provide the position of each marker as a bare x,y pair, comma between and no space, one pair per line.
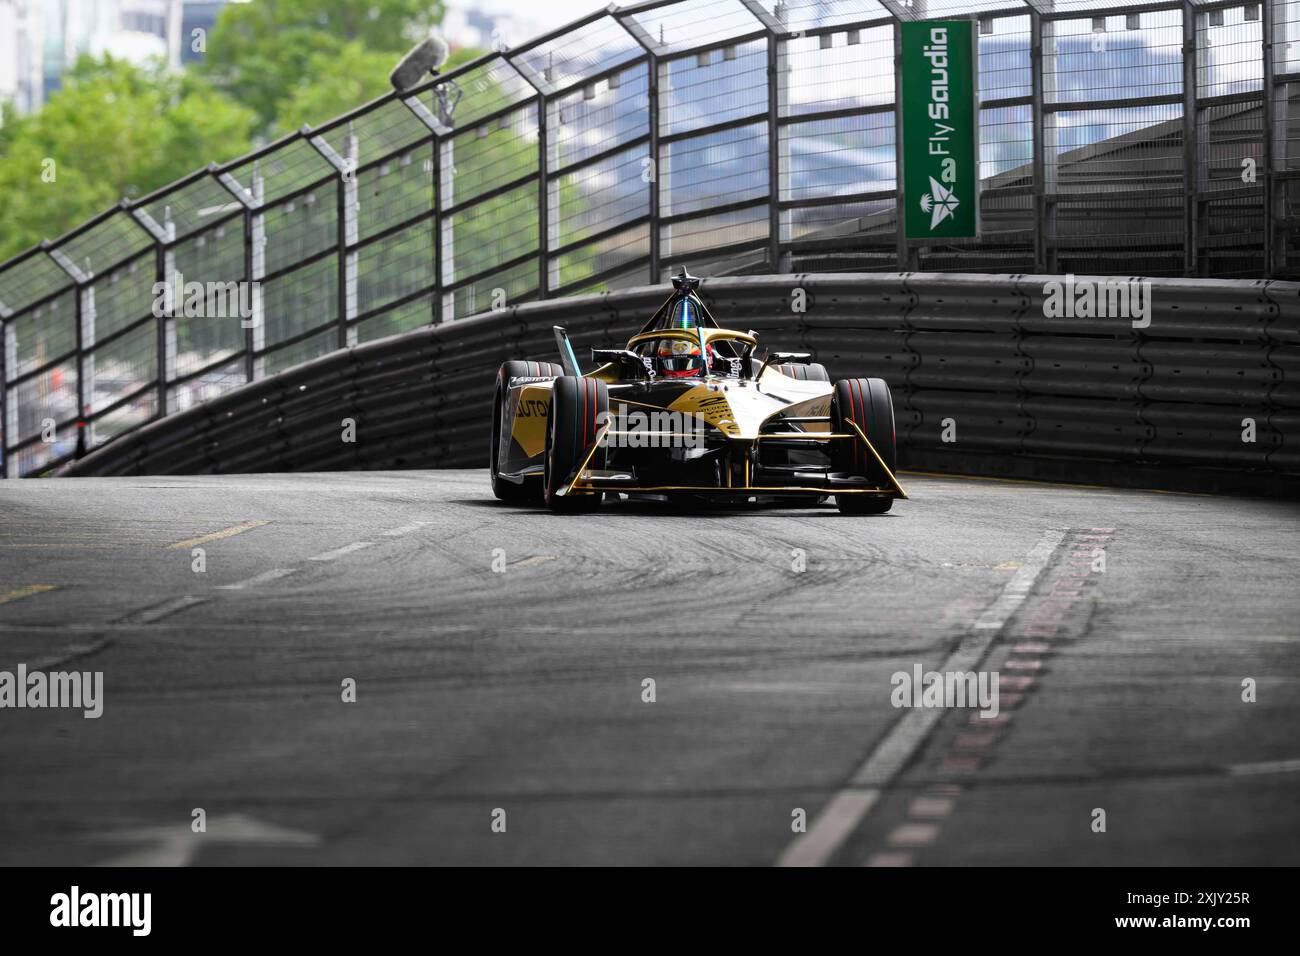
19,593
217,535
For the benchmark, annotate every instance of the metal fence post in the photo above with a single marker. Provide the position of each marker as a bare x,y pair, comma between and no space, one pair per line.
543,203
1045,83
345,199
256,337
774,98
647,43
446,198
340,213
250,364
903,253
251,198
85,318
1036,123
1268,106
540,86
656,213
435,127
1191,147
167,345
162,234
244,198
349,234
435,223
4,391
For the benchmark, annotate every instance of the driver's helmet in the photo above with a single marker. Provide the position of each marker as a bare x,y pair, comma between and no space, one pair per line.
679,358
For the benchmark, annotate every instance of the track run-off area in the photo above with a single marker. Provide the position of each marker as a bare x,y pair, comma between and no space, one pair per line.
396,668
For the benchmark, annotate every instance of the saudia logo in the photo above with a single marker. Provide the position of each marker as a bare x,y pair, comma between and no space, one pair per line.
940,202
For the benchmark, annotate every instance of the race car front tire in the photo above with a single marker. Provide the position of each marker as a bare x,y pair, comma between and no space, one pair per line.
530,491
868,404
812,372
577,407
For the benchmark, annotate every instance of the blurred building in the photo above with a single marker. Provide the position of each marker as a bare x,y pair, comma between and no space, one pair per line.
40,39
21,47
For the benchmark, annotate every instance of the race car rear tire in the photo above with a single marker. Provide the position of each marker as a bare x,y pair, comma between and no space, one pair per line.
577,406
812,372
531,490
868,404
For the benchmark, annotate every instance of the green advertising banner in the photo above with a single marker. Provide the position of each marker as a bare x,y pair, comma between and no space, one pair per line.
940,129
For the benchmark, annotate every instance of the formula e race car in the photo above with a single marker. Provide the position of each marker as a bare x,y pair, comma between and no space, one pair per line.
689,411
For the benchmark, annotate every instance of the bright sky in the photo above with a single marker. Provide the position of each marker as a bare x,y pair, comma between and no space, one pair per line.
554,13
545,14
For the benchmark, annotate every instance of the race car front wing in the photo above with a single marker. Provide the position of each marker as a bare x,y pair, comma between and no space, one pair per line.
749,477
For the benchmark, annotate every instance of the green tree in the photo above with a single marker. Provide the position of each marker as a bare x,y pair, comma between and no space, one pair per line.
264,54
343,80
114,130
334,83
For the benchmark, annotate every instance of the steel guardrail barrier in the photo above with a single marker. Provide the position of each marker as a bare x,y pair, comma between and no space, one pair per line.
984,380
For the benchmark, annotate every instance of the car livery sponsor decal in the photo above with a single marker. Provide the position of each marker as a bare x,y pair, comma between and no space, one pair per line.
530,379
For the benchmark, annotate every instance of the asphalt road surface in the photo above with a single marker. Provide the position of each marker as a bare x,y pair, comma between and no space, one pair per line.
500,659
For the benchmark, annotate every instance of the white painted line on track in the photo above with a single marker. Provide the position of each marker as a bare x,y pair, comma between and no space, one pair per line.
263,578
176,845
1017,589
160,611
340,552
847,809
1267,766
913,834
405,529
836,821
931,808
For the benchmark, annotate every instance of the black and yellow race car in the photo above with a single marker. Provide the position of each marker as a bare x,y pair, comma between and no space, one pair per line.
689,410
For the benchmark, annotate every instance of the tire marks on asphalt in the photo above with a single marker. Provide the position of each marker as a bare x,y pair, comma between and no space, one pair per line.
969,749
851,804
